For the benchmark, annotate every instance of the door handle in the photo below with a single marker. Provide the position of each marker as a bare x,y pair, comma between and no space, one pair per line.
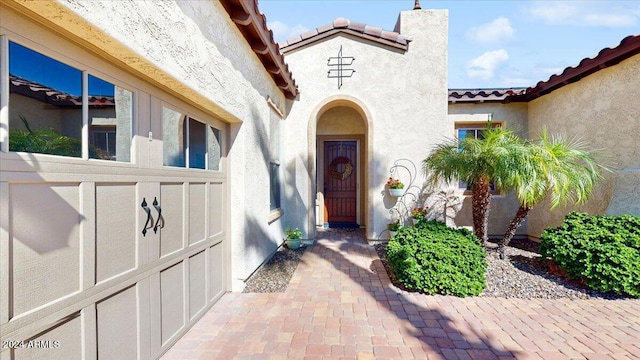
159,210
149,218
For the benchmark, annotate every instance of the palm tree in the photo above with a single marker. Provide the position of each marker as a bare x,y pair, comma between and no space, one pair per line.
557,166
492,158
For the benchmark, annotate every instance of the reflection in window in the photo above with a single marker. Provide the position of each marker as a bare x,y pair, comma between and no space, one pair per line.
110,115
45,104
189,143
213,144
274,185
197,144
274,162
173,144
45,109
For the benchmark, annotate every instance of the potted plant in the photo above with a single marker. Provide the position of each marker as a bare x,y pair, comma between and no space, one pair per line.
393,228
396,187
292,238
418,214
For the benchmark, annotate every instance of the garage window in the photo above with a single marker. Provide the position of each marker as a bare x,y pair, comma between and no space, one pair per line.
47,109
189,143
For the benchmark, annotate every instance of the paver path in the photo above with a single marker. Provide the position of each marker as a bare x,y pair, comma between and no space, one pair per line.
340,304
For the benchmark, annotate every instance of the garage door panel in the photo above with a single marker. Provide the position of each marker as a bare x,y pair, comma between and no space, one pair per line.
171,235
216,206
45,249
63,341
172,301
216,263
115,229
117,324
197,283
197,203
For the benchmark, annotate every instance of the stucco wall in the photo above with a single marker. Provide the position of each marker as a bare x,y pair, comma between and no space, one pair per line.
196,43
603,111
503,205
403,97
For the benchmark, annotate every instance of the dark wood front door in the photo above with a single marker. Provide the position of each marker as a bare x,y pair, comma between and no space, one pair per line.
340,181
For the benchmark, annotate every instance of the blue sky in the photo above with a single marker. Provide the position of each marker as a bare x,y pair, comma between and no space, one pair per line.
491,43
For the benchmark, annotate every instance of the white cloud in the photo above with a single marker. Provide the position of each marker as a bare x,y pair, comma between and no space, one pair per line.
496,32
282,31
585,13
484,66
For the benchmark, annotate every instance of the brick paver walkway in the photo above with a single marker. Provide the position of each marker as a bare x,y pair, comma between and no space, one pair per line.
340,304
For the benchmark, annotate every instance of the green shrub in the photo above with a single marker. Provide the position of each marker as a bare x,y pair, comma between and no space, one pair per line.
435,259
603,250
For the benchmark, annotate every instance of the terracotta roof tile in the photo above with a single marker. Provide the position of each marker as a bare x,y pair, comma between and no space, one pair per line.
389,35
357,26
52,96
482,95
628,47
293,39
341,23
324,28
372,33
308,34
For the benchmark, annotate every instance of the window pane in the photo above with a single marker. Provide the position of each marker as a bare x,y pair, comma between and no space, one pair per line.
214,149
480,134
45,104
197,144
274,185
173,137
112,107
464,133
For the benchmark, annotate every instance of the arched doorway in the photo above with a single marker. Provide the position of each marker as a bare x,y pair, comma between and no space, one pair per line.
341,133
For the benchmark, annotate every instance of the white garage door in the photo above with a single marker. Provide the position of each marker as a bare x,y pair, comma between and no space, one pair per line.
114,248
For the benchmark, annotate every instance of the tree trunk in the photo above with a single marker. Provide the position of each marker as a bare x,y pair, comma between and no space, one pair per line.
517,220
481,194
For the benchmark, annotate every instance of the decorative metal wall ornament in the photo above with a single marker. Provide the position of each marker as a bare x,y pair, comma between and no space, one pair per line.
336,173
337,67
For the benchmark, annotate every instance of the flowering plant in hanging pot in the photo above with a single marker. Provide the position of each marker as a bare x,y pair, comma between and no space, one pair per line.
418,214
396,187
393,227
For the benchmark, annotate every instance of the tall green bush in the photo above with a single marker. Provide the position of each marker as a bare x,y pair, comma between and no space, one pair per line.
603,250
435,259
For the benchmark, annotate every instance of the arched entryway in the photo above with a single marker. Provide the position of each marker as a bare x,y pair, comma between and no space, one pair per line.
340,131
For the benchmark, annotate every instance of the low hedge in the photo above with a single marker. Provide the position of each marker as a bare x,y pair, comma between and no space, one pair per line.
601,250
435,259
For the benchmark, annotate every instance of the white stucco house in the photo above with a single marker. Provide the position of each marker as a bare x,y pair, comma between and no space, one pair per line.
187,140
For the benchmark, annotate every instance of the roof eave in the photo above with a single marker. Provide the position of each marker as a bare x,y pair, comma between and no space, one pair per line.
253,26
628,47
330,33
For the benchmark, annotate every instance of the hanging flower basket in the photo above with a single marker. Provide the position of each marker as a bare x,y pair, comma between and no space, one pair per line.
396,192
396,187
